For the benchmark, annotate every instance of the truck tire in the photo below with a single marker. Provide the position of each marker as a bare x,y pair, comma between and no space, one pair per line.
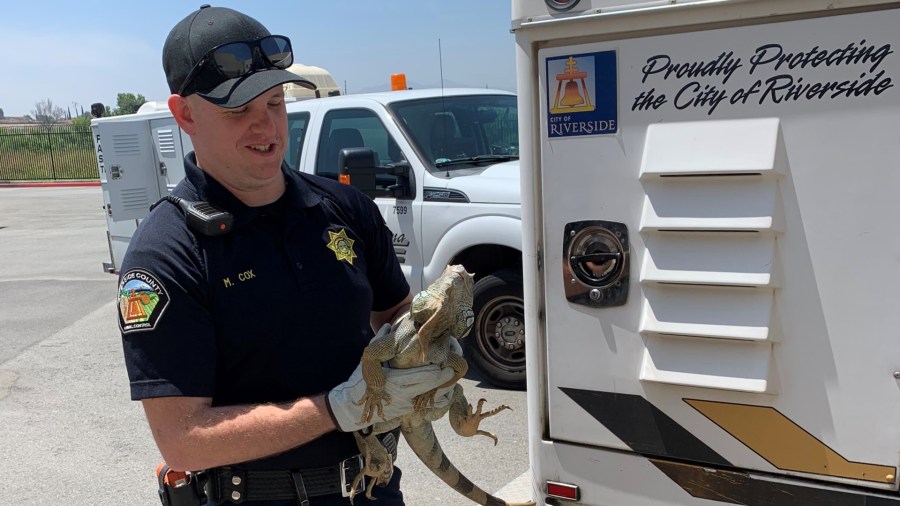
496,343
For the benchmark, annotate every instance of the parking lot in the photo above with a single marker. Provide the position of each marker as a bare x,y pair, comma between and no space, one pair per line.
71,435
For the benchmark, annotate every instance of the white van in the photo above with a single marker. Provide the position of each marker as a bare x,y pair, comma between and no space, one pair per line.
712,276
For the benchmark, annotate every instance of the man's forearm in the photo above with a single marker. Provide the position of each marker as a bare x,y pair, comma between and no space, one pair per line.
379,318
194,436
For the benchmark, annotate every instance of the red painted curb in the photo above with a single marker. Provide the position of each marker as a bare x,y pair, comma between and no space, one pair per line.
47,184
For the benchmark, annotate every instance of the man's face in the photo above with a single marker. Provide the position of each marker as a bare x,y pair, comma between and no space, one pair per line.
242,148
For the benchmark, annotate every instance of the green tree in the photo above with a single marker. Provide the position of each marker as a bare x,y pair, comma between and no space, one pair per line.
48,114
1,113
128,103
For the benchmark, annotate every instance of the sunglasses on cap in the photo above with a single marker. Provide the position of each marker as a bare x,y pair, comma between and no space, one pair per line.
237,59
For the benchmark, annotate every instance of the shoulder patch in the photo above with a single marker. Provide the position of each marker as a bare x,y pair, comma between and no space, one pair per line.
142,301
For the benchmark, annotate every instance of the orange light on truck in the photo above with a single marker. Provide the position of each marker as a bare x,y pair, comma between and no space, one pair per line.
344,178
398,82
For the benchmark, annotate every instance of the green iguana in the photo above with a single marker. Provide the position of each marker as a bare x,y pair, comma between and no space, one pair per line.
438,316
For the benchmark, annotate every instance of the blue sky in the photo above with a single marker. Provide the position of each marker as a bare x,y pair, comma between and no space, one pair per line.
88,51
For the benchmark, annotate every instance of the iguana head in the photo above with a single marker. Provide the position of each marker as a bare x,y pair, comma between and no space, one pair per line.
445,307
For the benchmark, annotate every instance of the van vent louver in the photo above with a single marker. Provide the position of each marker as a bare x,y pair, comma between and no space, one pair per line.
166,140
126,144
710,223
135,199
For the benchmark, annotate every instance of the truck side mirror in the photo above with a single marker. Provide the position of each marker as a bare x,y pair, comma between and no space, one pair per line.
359,167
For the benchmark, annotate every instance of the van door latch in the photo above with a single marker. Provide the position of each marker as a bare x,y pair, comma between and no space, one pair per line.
596,263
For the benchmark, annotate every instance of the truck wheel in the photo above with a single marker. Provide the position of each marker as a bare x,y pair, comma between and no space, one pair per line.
496,343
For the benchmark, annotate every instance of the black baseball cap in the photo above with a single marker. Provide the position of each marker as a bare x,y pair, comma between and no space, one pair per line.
207,28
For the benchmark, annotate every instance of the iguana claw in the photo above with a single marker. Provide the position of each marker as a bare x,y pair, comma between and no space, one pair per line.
373,401
468,423
423,402
378,464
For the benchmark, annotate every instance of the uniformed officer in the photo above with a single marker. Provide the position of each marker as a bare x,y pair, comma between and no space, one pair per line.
240,345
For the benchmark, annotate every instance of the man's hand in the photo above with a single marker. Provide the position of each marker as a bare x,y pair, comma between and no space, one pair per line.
401,385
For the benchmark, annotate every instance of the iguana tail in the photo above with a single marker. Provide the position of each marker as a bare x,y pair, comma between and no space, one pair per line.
424,443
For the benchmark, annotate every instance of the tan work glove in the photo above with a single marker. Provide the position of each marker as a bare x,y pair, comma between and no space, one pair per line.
403,385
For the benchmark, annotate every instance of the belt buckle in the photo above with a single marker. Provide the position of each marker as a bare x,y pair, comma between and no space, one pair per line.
345,483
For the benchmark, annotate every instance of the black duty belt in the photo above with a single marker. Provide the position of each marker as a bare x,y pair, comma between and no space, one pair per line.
238,485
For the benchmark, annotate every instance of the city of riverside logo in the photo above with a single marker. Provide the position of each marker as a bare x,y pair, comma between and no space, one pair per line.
142,301
582,94
342,246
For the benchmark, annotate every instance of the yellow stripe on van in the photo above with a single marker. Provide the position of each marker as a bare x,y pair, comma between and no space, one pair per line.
784,444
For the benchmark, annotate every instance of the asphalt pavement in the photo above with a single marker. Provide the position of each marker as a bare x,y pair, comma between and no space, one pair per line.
69,433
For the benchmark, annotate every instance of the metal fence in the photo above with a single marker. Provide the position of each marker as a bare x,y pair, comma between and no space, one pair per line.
57,152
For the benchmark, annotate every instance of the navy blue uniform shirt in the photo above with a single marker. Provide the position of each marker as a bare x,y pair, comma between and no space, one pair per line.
274,310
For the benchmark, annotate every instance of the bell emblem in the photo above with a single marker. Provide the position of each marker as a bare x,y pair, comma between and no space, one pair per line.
573,99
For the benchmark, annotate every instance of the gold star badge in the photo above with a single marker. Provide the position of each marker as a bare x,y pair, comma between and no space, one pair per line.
341,245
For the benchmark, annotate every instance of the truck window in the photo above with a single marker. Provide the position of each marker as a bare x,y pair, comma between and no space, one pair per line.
297,123
448,129
355,128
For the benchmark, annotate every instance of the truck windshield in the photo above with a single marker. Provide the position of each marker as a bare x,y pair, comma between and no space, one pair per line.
458,131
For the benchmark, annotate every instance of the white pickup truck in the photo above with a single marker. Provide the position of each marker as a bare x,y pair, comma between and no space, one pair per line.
442,165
